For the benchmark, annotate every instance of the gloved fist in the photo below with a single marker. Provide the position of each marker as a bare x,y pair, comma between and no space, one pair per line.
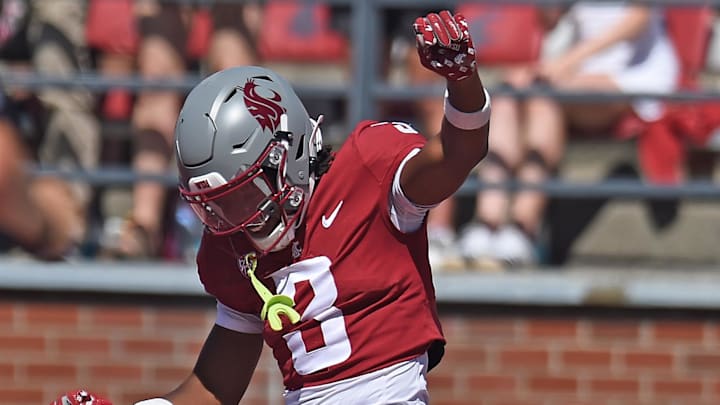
80,397
444,45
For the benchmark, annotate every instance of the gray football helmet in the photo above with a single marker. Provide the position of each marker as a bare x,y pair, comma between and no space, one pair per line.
246,151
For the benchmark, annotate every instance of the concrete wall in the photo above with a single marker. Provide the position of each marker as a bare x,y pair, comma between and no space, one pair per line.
131,347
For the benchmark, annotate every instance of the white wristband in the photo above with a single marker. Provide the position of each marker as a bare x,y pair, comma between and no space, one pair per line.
467,121
154,401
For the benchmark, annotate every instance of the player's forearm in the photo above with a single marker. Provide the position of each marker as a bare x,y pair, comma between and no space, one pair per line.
465,140
466,95
443,165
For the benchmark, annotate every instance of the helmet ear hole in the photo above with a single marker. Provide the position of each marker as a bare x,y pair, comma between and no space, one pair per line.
300,148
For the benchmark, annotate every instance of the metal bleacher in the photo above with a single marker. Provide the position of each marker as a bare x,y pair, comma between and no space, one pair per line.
362,93
365,89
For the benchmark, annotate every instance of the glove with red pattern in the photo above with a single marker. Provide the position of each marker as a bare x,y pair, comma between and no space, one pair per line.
444,45
80,397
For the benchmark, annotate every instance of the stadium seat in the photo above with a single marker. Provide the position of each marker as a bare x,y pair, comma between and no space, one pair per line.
503,33
110,26
299,31
199,34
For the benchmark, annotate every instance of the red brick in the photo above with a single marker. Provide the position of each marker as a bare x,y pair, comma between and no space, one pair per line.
586,358
682,370
525,358
117,372
6,370
451,401
18,343
147,346
21,395
191,348
615,386
172,373
553,384
468,355
679,331
83,345
54,371
483,329
648,360
513,401
443,381
615,331
492,383
182,319
7,313
552,328
716,388
678,387
45,314
110,316
703,362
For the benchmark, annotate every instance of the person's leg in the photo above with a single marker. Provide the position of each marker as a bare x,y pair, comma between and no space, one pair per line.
546,133
160,56
545,137
478,238
40,215
506,152
17,214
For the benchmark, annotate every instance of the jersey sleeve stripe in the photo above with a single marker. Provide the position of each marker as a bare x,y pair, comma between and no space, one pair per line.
241,322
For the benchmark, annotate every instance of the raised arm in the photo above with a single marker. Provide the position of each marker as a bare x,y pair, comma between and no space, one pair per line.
445,47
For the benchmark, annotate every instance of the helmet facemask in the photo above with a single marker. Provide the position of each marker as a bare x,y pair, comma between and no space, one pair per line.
259,201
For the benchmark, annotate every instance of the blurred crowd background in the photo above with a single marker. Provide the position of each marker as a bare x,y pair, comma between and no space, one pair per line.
603,138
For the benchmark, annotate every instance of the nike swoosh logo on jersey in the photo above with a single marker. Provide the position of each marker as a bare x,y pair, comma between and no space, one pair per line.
327,222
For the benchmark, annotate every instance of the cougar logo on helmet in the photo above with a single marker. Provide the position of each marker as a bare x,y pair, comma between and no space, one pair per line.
267,111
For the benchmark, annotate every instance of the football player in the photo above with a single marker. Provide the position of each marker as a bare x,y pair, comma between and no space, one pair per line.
321,255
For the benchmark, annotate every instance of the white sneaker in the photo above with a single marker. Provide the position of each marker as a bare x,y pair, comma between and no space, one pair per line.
514,247
476,242
442,252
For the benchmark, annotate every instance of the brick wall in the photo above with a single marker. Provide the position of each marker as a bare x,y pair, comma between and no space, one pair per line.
131,349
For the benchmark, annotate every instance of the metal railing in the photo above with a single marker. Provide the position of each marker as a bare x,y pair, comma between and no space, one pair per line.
367,87
616,188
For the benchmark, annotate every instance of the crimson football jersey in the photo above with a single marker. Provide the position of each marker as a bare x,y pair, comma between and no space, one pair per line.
363,289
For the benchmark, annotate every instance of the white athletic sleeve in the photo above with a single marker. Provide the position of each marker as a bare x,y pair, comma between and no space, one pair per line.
242,322
405,214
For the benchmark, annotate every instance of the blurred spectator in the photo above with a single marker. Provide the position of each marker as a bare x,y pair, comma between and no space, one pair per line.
49,38
72,134
41,215
171,37
615,47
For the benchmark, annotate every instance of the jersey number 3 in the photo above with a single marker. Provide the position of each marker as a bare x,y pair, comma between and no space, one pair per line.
316,273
